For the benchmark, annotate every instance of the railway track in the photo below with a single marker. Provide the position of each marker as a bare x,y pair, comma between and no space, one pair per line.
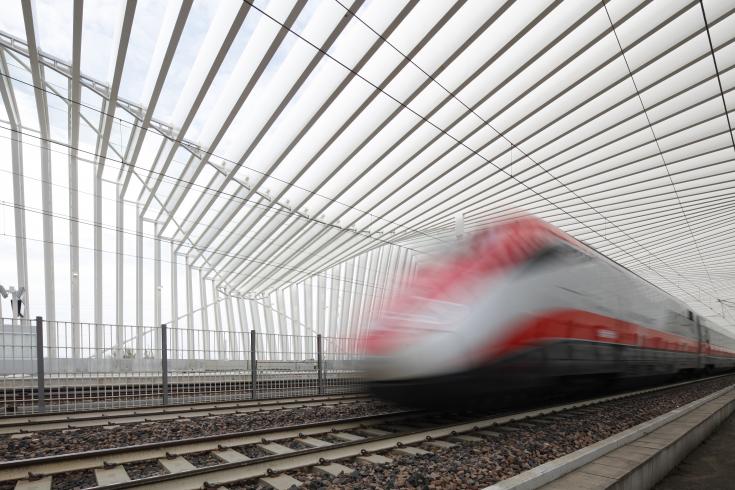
75,420
266,454
167,451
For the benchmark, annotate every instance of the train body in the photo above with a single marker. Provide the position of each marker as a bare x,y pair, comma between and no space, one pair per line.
523,307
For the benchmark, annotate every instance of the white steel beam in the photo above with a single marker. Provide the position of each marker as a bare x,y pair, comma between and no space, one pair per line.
139,282
255,324
157,289
163,54
371,291
205,317
109,106
216,299
75,94
198,85
190,347
297,325
345,314
232,350
173,324
387,281
309,313
43,121
269,330
282,331
357,299
321,304
119,267
16,154
335,285
236,203
244,327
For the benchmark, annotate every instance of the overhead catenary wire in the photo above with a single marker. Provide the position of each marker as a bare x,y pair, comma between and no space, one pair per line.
164,239
583,102
79,149
189,146
128,232
425,120
633,211
660,239
150,237
278,207
581,180
717,72
653,132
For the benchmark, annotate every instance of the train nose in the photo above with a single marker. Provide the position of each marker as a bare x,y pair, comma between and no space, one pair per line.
427,317
425,355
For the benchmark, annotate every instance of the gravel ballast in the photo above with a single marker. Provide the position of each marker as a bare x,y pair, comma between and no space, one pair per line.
74,480
500,452
144,469
101,437
505,454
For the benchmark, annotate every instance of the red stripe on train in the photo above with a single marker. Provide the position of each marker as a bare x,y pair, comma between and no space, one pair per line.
583,325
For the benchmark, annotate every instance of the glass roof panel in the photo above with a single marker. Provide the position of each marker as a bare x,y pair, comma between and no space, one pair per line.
25,100
101,23
153,23
11,22
193,48
50,14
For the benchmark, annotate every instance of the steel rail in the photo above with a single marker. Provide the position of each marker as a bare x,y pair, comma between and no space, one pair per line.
61,463
79,419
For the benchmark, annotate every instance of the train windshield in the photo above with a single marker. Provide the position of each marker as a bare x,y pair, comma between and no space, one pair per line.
446,283
492,250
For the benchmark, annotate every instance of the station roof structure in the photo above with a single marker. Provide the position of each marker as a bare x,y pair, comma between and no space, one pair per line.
267,143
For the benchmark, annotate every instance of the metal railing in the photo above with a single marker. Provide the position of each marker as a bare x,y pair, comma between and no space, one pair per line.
50,366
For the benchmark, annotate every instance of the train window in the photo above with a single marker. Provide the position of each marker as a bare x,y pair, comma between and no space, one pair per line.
545,254
554,253
691,315
680,324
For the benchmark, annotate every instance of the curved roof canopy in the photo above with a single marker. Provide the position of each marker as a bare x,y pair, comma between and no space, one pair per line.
267,142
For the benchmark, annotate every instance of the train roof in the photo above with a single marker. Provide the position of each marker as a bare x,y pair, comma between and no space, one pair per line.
617,264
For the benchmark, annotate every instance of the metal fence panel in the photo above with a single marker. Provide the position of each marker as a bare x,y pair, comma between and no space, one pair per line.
198,372
101,366
341,359
18,367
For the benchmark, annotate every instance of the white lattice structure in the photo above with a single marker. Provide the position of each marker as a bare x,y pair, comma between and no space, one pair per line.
282,166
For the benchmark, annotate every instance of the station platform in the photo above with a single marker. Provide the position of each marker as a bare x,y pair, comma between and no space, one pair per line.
689,447
655,449
709,466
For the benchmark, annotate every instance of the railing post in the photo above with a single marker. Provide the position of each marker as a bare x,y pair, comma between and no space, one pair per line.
253,367
164,363
319,364
40,375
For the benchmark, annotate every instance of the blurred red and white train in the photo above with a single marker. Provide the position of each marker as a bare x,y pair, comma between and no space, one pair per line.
523,307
